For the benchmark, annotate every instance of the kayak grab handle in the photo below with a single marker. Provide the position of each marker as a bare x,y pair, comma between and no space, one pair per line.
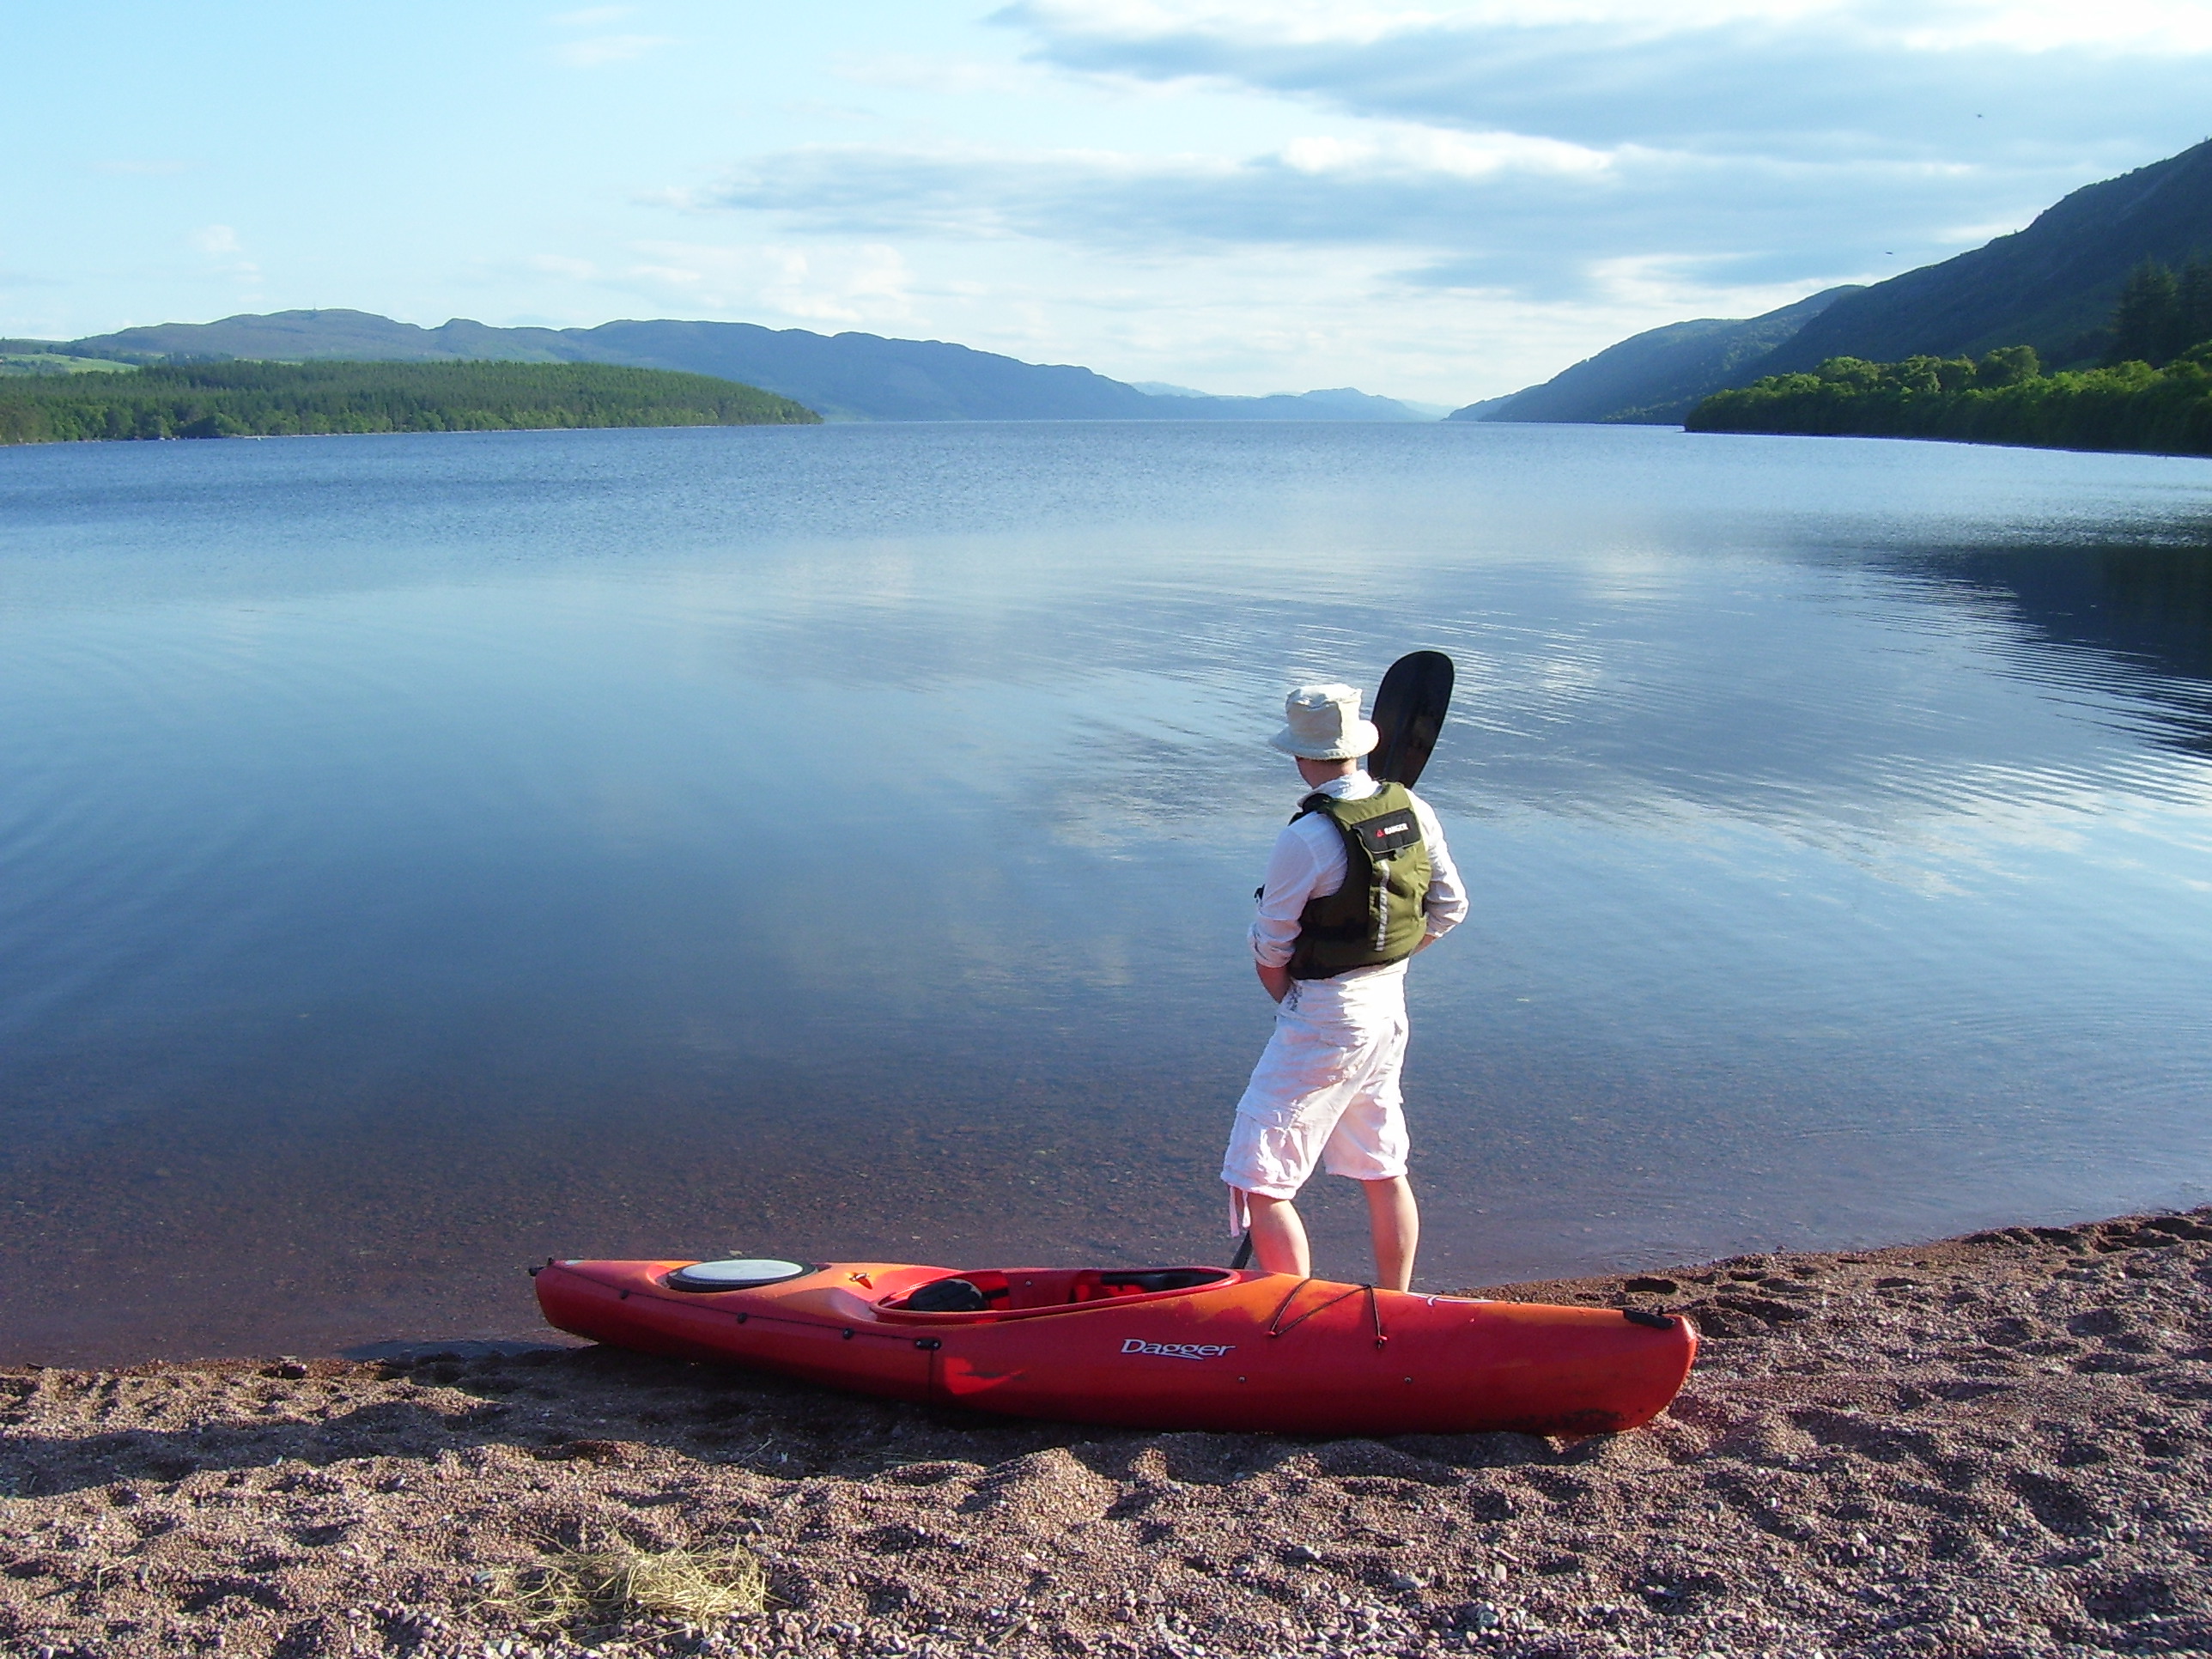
1657,1321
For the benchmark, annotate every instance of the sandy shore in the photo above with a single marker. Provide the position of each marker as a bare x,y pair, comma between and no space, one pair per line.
1988,1445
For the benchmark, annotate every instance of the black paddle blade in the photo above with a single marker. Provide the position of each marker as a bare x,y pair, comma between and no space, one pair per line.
1409,712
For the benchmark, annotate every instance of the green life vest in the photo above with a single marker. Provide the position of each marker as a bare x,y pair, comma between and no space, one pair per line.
1376,916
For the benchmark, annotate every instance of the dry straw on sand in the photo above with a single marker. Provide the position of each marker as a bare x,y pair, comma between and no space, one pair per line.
619,1581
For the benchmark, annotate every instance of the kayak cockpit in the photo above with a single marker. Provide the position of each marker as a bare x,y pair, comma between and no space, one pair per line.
989,1293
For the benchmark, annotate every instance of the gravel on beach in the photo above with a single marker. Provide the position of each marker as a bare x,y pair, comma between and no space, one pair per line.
1988,1445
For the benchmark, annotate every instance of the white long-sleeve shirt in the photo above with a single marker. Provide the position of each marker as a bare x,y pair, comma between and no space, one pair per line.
1308,863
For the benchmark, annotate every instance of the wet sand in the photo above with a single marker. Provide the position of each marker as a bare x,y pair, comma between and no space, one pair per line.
1988,1445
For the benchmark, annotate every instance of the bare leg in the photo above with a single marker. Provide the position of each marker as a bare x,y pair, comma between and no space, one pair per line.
1394,1221
1278,1237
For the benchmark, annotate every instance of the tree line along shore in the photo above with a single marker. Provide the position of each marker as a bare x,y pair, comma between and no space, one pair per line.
2154,394
271,399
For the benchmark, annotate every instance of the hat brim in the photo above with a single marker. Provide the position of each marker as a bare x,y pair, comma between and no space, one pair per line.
1361,739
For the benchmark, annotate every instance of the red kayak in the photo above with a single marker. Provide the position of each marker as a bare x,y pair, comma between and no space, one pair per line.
1164,1348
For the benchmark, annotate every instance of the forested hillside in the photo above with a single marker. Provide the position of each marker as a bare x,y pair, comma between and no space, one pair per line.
258,399
2153,393
2052,285
2162,314
2003,398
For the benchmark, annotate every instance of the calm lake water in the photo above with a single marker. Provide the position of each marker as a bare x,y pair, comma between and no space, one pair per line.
422,855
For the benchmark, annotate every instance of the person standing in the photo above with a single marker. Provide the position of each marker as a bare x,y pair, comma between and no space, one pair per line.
1359,882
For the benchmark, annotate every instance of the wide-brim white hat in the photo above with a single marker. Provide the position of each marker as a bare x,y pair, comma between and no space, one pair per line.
1323,723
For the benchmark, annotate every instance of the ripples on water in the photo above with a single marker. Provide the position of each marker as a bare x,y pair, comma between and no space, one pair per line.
419,855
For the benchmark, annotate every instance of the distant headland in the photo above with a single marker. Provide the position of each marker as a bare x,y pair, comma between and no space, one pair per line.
268,399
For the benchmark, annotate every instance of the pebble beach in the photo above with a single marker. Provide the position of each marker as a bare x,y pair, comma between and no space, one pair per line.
1988,1445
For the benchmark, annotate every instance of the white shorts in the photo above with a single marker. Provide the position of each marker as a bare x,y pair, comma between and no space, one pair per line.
1326,1089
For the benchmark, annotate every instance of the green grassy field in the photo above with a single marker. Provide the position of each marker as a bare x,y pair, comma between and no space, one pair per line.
43,363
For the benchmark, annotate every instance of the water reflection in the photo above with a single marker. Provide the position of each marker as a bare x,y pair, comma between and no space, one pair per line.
421,855
2143,612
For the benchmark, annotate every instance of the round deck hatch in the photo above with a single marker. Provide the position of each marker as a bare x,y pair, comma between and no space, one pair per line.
742,1275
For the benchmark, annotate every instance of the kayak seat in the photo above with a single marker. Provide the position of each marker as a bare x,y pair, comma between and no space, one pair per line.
976,1291
1161,1279
952,1296
1103,1284
987,1290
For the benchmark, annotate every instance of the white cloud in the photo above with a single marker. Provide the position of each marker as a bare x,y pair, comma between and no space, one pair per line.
2129,27
2030,25
1399,147
556,264
1455,198
1606,152
225,253
921,72
599,49
1489,211
1972,79
815,284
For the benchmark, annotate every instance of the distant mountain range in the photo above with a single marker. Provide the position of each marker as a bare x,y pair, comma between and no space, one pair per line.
850,377
2052,285
1344,404
1656,377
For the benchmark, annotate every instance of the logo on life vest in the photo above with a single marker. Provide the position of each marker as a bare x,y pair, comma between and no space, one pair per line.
1391,834
1177,1350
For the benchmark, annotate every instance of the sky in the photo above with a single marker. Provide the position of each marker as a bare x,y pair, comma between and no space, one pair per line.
1442,201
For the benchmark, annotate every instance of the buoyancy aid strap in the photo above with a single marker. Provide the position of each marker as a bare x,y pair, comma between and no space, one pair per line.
1276,1327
